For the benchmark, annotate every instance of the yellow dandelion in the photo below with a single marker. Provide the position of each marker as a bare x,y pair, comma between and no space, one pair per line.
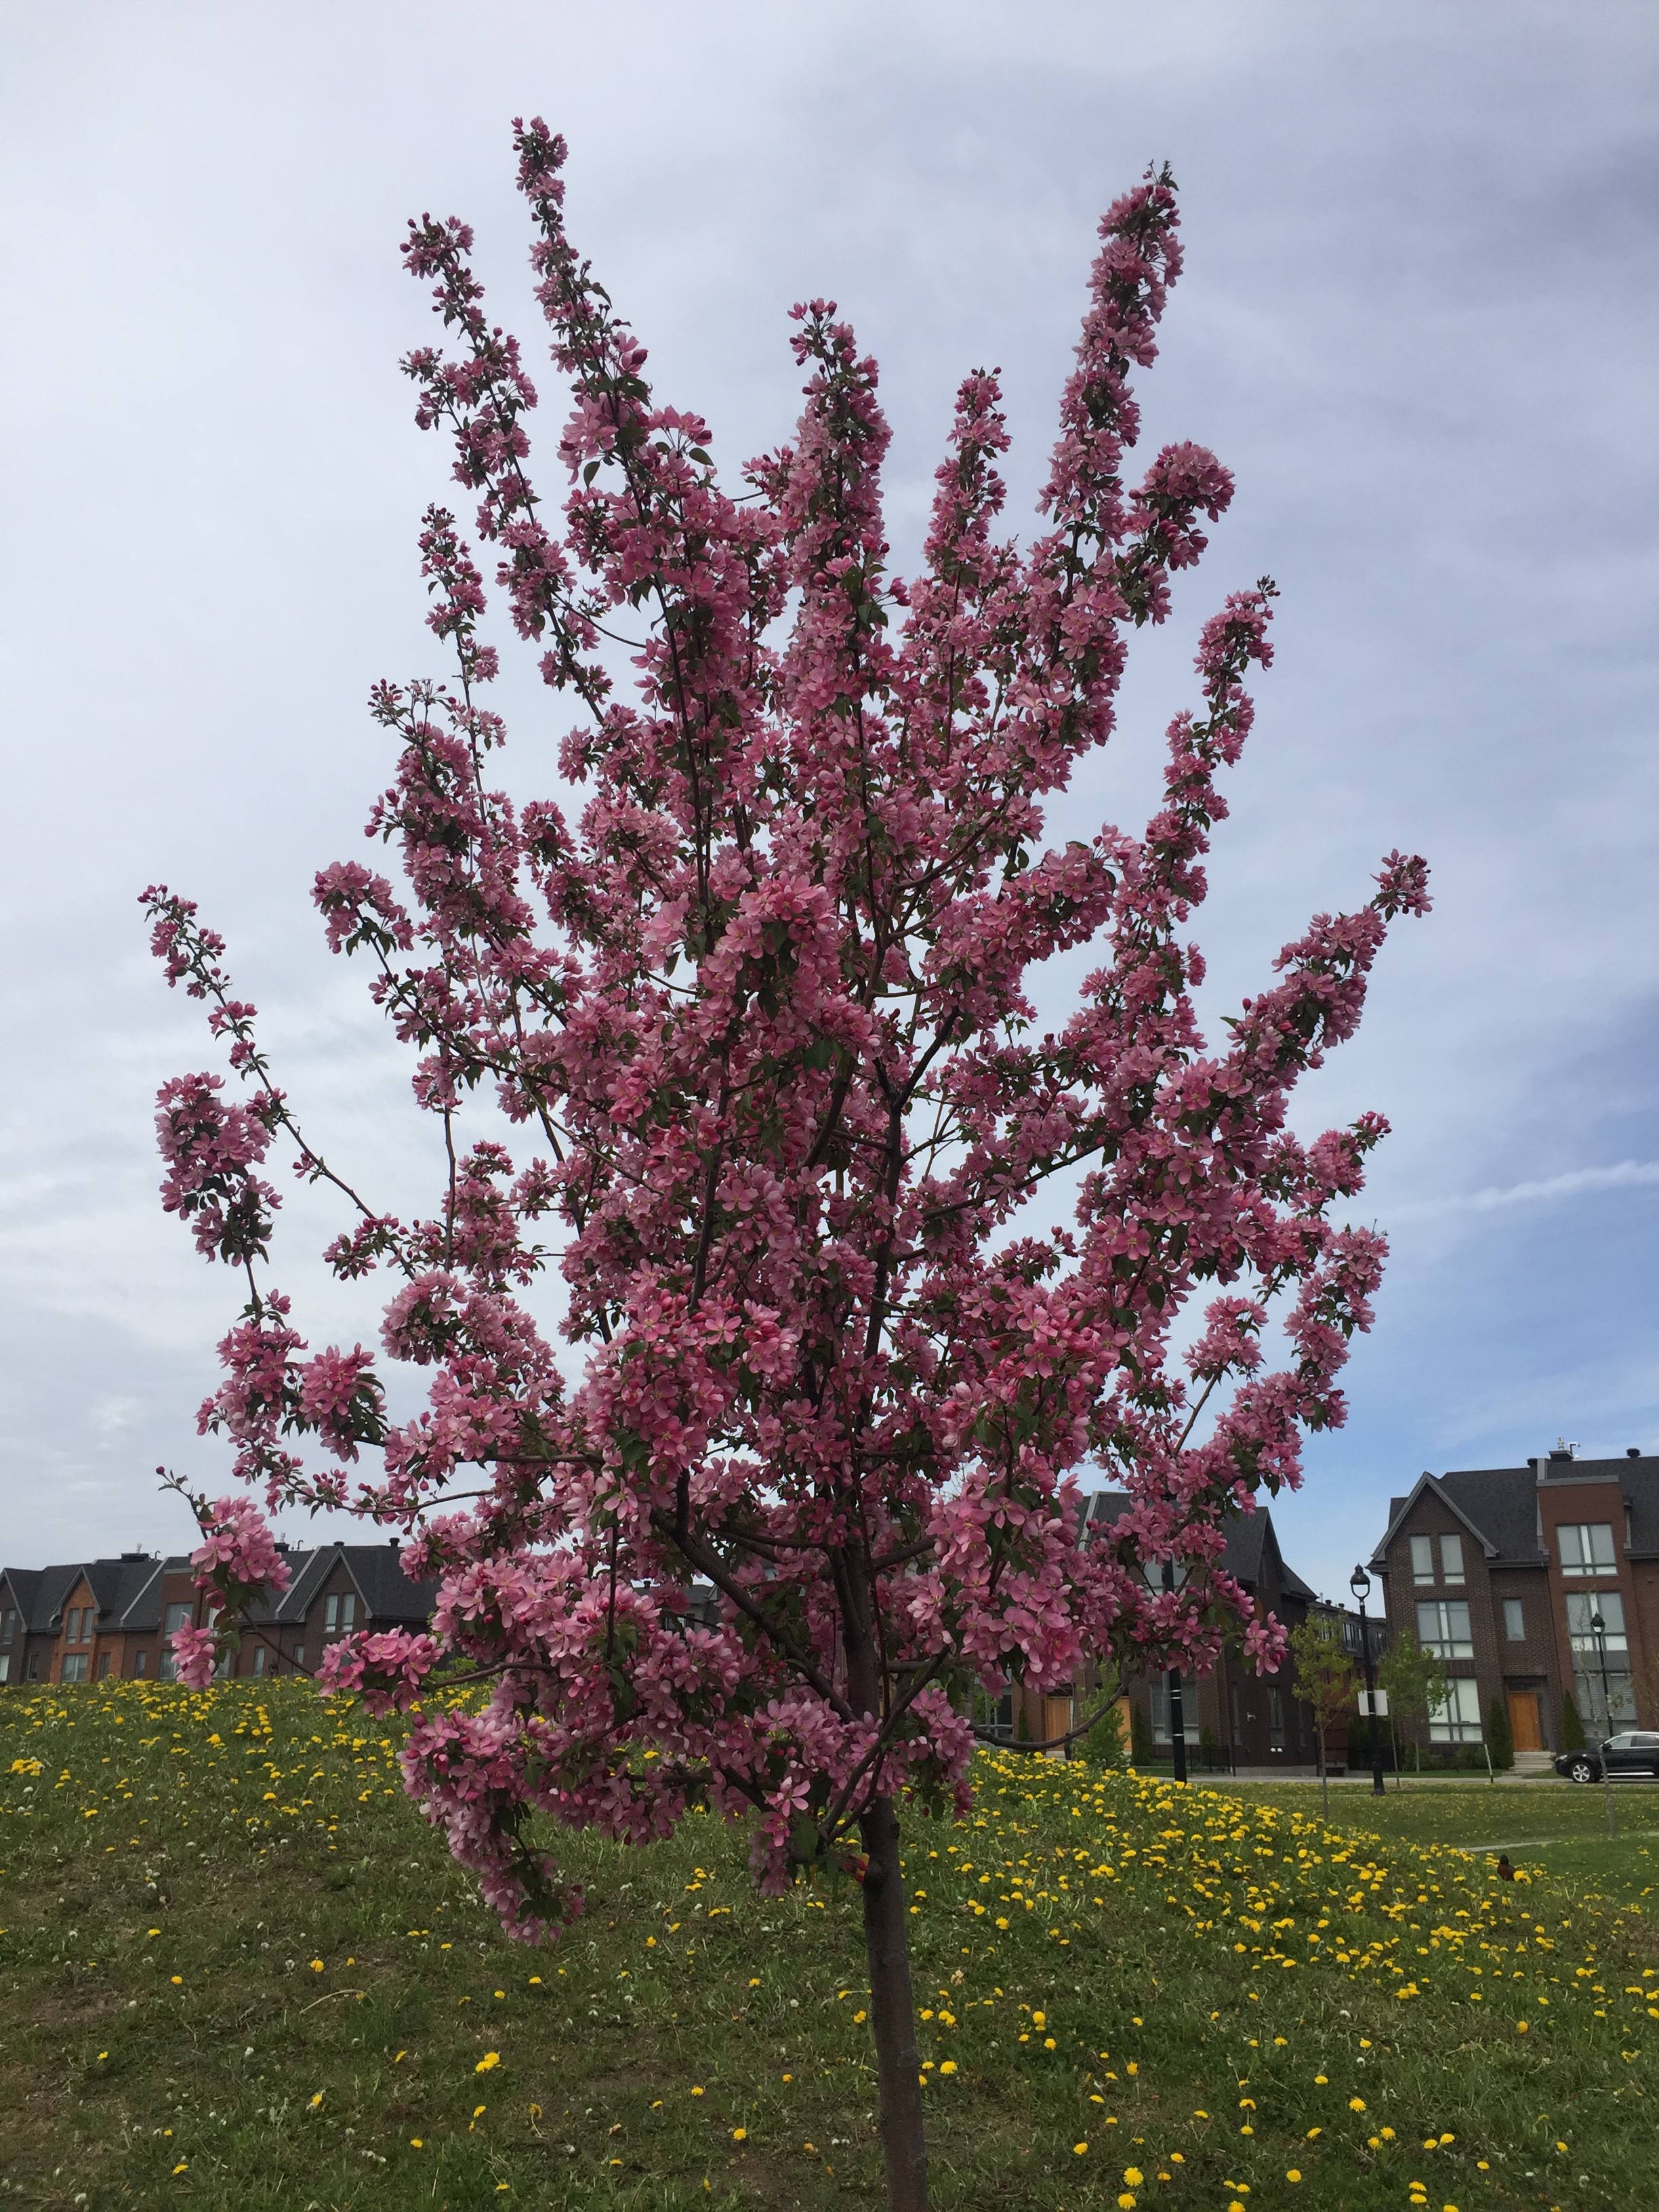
491,2058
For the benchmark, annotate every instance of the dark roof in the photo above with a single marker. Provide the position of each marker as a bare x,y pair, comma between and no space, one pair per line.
1502,1504
129,1590
21,1582
1251,1552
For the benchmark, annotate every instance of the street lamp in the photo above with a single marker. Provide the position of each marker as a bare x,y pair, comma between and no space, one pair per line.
1177,1718
1360,1584
1599,1631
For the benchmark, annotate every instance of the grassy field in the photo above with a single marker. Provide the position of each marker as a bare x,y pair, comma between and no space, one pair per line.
1547,1826
237,1970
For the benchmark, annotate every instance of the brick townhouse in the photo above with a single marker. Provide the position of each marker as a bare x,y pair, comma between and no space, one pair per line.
1244,1719
1505,1571
99,1618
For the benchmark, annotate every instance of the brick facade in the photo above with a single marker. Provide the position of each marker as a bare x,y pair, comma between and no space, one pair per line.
1528,1583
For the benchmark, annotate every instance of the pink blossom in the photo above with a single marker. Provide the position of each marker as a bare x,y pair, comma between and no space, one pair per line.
755,1376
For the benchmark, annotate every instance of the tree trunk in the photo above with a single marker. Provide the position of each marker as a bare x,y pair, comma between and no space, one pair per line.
892,2012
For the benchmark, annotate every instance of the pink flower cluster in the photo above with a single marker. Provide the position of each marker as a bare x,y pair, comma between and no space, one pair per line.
760,1020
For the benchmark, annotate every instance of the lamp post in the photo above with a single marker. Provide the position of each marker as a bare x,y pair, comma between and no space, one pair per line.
1177,1719
1360,1584
1599,1631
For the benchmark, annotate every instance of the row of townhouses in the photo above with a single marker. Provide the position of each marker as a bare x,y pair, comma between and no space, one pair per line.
99,1618
1537,1586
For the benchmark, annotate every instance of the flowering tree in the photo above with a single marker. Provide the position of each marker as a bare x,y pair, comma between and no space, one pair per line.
776,1110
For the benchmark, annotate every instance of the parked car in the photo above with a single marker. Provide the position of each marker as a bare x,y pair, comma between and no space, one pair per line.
1633,1751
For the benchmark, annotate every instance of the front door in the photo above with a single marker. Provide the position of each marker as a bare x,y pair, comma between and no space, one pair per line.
1526,1729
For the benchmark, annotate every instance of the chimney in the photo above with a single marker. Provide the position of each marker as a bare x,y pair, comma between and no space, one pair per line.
1633,1451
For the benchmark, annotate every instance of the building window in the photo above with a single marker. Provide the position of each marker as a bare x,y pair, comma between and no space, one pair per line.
1275,1719
1422,1558
1451,1558
72,1624
8,1623
1443,1628
105,1660
1515,1620
1237,1700
338,1613
1585,1547
74,1669
261,1657
1601,1662
1458,1721
141,1662
5,1666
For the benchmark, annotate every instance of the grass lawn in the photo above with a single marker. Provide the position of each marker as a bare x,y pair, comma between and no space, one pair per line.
236,1970
1547,1826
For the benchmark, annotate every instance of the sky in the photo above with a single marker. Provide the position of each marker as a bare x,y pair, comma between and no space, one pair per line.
1418,323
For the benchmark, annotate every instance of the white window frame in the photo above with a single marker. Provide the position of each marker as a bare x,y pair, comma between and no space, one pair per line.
1579,1550
1458,1719
1444,1641
1515,1620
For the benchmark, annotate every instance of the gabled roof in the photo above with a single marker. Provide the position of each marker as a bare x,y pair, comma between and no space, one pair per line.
21,1583
1251,1553
1427,1483
387,1593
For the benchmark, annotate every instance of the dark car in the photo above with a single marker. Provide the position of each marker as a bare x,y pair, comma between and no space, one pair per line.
1634,1751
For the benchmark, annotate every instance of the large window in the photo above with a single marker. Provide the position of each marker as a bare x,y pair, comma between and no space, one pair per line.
1422,1558
261,1657
1458,1721
1443,1629
1601,1659
1585,1547
8,1623
339,1612
74,1669
1515,1620
1451,1558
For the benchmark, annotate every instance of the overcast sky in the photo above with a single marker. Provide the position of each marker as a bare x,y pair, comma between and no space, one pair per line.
1418,322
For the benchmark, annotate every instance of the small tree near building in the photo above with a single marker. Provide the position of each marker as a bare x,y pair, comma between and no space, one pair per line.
1572,1728
1500,1742
1415,1683
1325,1678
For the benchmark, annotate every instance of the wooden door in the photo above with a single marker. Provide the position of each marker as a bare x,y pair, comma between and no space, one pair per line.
1526,1729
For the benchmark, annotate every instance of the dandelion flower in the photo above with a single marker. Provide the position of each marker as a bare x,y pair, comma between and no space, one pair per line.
491,2058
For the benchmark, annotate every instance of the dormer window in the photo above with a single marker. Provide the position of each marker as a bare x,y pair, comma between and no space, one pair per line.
339,1612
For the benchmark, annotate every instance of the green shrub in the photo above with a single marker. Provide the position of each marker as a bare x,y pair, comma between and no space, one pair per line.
1572,1728
1499,1741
